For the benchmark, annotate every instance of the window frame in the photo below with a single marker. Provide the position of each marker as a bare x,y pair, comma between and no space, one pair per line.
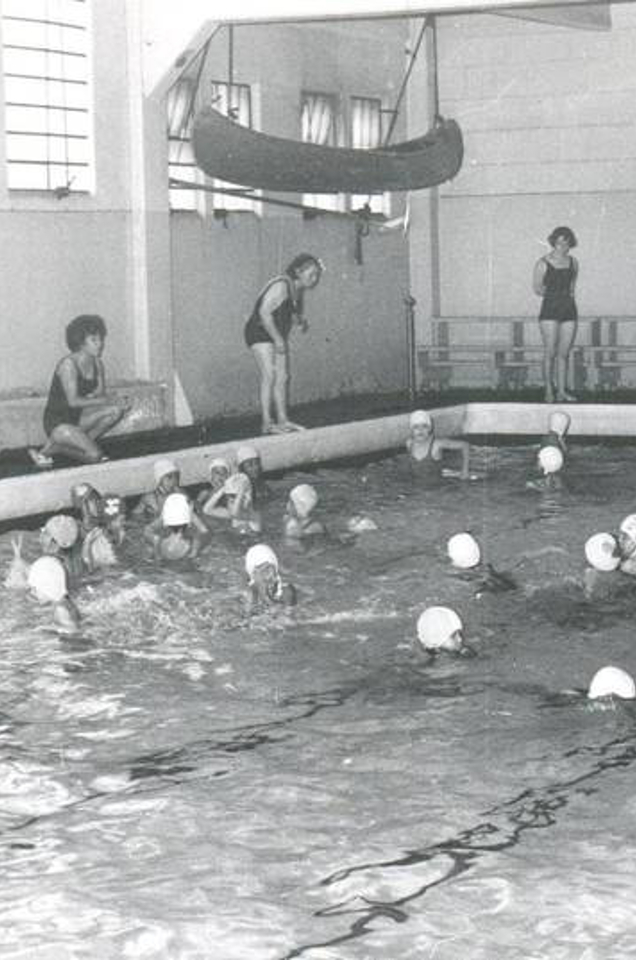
40,120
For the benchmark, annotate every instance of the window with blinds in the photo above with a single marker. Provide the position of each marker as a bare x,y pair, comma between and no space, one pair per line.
48,97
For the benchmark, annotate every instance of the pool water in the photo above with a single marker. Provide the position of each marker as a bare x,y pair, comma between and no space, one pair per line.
187,783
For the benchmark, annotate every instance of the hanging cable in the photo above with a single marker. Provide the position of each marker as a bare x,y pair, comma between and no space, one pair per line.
396,110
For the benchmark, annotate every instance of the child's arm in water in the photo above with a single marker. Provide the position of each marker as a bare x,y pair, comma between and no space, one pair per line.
210,506
442,444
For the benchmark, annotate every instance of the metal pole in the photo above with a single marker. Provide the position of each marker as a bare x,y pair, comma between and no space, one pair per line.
409,303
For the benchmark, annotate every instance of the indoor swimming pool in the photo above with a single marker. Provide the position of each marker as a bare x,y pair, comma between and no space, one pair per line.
185,782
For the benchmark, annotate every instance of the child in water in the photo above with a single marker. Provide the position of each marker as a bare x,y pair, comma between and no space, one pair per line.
60,537
265,586
174,535
167,477
550,461
299,521
248,461
440,630
88,505
96,544
465,555
603,556
48,582
244,519
558,426
424,447
211,501
627,545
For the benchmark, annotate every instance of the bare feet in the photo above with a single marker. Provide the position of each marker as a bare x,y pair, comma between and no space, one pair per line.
290,427
39,459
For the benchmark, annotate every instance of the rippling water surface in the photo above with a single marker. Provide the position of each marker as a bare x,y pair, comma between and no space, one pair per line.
183,782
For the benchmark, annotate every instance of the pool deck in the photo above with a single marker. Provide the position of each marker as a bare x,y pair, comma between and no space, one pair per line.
336,430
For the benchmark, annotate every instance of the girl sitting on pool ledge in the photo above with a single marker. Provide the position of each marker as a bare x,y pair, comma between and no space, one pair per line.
425,448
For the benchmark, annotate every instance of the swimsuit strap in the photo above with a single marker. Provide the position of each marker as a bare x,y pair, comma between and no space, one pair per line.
270,283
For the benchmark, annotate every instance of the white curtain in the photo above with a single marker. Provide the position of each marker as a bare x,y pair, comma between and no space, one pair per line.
318,125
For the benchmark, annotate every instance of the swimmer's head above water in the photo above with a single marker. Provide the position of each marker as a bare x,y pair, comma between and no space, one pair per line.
440,630
302,500
612,681
59,533
550,460
166,474
218,471
420,425
464,551
602,552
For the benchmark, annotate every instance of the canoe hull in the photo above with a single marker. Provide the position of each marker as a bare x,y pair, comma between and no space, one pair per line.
227,151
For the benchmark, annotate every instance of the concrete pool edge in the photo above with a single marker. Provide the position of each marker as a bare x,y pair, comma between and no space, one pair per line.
23,496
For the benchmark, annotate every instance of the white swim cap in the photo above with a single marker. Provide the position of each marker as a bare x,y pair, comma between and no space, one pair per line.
176,511
628,526
79,493
47,579
245,452
600,552
257,556
420,418
304,498
559,422
161,468
464,551
219,463
435,627
63,529
612,682
550,459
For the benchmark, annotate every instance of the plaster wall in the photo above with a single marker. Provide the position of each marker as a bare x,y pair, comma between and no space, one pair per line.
356,342
549,121
61,257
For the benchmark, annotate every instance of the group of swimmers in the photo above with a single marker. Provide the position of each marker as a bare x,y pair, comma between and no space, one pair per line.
176,525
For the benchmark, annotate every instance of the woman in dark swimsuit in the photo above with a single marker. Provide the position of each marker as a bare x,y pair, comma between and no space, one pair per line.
78,411
278,308
554,280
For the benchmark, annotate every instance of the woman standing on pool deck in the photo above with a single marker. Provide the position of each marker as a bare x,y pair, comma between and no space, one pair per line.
78,411
278,308
554,280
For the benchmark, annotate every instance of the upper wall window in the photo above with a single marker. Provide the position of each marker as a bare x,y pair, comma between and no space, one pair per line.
48,108
319,125
366,134
234,100
181,162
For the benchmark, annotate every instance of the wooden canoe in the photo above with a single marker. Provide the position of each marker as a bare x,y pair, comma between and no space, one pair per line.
228,151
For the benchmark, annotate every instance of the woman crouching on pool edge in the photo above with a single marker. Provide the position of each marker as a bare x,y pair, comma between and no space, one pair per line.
279,308
78,410
423,446
265,586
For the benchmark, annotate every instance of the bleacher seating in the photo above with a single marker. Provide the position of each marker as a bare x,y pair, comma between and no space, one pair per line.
507,353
